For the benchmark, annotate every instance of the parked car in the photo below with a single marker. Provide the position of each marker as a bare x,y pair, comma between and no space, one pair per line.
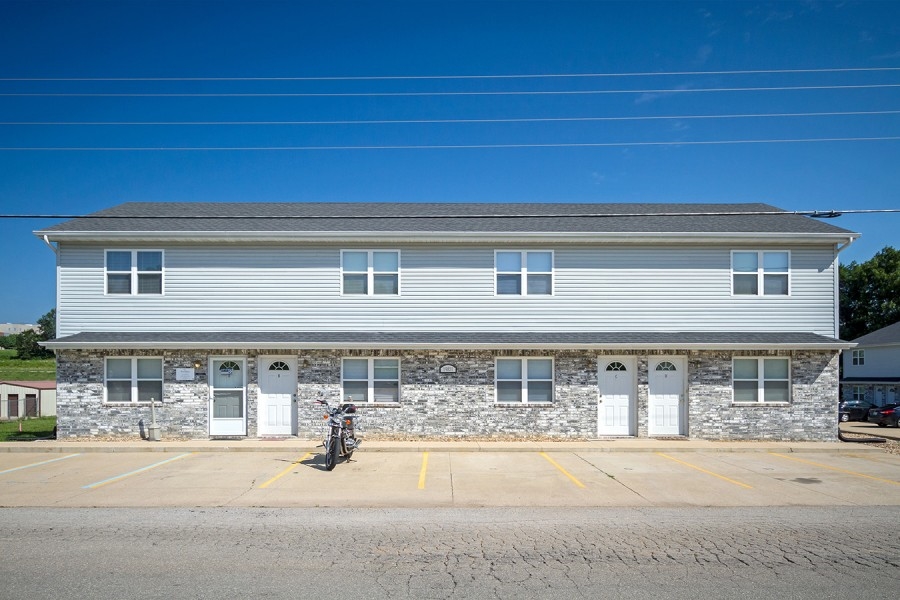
854,410
889,414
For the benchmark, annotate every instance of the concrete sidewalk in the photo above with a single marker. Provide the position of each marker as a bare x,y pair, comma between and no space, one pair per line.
306,445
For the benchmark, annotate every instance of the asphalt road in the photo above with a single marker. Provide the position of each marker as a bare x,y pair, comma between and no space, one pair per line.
722,552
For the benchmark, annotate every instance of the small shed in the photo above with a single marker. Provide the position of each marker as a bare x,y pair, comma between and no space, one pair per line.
27,399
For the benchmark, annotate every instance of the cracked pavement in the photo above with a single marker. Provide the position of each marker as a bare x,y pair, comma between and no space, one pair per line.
446,553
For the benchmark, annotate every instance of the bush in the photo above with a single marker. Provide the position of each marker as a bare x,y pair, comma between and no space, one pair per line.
8,342
27,347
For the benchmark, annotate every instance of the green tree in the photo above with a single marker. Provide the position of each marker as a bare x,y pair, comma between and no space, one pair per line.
27,346
47,325
8,342
870,294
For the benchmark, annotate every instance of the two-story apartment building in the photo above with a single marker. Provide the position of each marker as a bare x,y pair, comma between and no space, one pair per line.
565,320
872,368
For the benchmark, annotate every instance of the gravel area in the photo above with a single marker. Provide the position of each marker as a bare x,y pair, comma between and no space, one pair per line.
889,446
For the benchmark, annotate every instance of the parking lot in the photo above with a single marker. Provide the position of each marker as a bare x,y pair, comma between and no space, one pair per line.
576,478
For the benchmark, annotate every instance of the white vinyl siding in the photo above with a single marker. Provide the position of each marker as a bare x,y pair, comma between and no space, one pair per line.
445,288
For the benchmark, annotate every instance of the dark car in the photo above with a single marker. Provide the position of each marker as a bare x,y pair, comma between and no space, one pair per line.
854,410
889,414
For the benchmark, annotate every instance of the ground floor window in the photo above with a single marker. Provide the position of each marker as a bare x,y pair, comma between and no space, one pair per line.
371,379
761,379
133,379
859,392
524,380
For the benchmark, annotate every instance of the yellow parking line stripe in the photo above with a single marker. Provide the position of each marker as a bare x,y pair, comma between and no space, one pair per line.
423,471
44,462
702,470
815,464
563,471
93,486
286,470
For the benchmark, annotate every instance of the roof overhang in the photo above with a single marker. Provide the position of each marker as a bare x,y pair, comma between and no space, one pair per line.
393,237
447,340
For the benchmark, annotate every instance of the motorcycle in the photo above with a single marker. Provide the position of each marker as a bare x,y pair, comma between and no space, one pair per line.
340,436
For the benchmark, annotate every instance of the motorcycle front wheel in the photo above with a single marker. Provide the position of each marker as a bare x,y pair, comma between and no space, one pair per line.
331,453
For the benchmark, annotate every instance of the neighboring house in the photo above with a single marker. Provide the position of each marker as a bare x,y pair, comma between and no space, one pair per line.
564,320
27,399
872,368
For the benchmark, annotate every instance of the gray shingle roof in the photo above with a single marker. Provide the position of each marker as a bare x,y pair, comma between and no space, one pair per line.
444,217
447,339
882,337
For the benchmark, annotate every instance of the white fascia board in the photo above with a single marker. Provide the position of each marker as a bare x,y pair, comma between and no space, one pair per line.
444,237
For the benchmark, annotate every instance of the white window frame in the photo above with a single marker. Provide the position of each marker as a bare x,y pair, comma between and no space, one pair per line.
134,379
761,380
858,358
523,273
134,272
859,392
370,379
761,273
371,273
524,380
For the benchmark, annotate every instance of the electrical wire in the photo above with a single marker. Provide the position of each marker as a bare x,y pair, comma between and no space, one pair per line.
452,77
460,121
792,88
436,146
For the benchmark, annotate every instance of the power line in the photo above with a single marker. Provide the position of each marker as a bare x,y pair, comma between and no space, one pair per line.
454,121
452,77
792,88
436,146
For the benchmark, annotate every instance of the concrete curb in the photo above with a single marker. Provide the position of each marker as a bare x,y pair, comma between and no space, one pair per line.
302,446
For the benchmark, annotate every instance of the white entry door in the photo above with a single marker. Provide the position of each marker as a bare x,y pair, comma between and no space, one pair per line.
277,386
666,378
617,392
227,398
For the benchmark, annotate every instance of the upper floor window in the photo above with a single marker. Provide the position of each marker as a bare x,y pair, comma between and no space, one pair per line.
134,379
859,358
524,380
763,273
370,272
524,272
133,272
761,379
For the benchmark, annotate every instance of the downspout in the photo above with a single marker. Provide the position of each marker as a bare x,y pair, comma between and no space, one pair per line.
56,252
837,287
51,246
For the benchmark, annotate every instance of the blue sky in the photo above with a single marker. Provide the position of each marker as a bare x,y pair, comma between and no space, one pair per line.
211,39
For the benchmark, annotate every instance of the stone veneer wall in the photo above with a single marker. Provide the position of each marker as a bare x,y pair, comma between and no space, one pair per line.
460,404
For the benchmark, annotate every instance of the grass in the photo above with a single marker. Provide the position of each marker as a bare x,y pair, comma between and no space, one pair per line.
11,368
32,429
